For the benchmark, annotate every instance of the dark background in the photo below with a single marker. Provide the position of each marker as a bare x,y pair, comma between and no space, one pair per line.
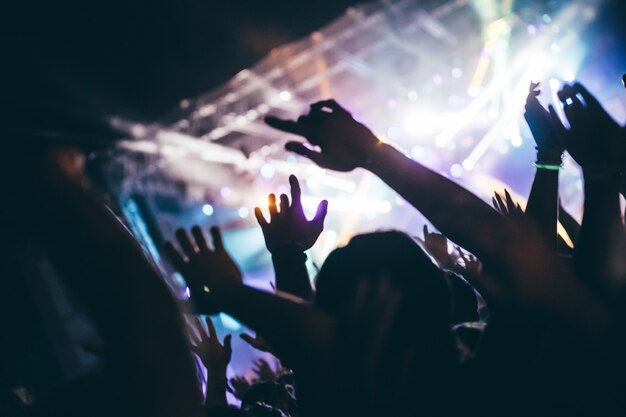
72,59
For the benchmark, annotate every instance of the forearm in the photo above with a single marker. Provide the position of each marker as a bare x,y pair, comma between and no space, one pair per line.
292,276
542,207
457,213
216,391
297,331
601,239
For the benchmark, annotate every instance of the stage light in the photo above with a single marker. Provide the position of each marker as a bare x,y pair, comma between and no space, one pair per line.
555,84
241,121
412,95
268,171
468,165
243,212
173,151
393,133
207,209
225,192
517,141
284,95
569,76
456,170
252,114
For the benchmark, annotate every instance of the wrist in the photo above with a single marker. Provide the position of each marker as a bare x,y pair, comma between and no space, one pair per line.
289,251
376,156
216,378
548,166
549,157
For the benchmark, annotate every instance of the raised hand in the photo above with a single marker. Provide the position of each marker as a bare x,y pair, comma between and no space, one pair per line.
239,385
214,355
594,139
345,143
206,270
263,370
471,268
288,225
436,245
546,127
506,207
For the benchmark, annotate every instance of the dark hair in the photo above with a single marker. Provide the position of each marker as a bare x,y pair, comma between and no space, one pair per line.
390,254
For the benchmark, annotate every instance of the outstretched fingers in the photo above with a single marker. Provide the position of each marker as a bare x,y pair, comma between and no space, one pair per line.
216,234
260,218
296,192
271,206
175,256
227,342
329,104
288,126
302,150
211,328
185,243
284,203
200,238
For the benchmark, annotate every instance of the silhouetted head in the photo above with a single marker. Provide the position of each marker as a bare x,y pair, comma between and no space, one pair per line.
390,254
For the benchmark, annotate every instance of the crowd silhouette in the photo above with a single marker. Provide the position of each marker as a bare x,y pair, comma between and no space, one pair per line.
511,321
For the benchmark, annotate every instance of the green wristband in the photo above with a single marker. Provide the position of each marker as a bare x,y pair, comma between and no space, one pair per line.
549,167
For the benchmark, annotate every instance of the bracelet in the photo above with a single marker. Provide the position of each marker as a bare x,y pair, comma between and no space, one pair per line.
549,167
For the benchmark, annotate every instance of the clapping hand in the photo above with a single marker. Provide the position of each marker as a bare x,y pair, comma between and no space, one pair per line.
594,139
207,271
288,225
546,127
345,143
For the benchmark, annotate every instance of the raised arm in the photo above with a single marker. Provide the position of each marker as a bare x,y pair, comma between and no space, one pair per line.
297,331
347,144
547,131
594,141
288,235
215,356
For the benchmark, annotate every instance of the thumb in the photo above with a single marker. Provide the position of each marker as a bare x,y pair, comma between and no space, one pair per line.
302,150
227,342
322,210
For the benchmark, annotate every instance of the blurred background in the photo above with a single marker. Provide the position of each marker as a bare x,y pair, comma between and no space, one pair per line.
168,99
